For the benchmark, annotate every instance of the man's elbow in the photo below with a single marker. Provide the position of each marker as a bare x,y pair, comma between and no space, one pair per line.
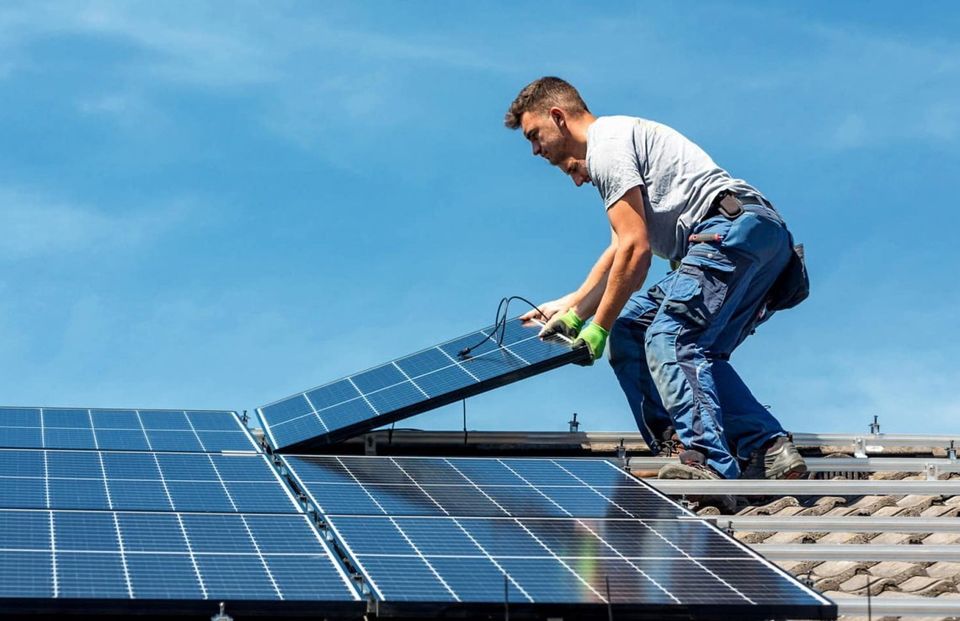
639,257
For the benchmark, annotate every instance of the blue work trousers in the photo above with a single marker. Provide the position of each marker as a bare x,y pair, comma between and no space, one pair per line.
671,345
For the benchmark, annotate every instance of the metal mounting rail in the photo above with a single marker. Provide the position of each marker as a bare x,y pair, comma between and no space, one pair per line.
839,464
845,524
802,487
877,440
871,442
899,606
858,552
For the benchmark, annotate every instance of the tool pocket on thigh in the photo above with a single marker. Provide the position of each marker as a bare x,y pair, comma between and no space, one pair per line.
697,293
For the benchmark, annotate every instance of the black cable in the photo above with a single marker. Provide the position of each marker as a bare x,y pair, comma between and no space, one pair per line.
499,324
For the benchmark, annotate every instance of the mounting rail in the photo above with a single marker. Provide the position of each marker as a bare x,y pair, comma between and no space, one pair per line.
898,606
802,487
857,552
827,524
840,464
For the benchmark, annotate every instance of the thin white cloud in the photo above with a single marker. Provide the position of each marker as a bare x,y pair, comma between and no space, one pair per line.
36,225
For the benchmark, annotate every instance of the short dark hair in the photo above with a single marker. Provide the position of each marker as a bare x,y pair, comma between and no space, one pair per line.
541,95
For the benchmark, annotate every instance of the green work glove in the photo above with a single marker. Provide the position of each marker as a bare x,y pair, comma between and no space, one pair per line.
567,324
594,337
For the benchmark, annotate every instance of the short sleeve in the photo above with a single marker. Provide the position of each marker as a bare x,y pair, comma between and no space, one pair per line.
612,164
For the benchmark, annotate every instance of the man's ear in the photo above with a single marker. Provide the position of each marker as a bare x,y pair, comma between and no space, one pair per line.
559,117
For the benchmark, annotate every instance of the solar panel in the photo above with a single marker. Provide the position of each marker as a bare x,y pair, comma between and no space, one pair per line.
413,384
47,557
113,480
131,430
568,536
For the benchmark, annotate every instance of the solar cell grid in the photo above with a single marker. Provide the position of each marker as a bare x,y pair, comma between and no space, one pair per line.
105,480
476,487
558,530
110,555
142,430
411,385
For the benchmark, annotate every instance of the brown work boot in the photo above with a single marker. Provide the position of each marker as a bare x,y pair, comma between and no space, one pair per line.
777,459
693,465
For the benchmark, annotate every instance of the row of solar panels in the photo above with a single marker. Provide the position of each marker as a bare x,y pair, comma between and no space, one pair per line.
442,374
106,531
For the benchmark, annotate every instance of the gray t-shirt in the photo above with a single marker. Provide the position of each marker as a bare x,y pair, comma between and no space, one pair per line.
681,180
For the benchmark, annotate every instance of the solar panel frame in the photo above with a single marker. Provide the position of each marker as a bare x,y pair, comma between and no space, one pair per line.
82,562
406,386
426,589
125,429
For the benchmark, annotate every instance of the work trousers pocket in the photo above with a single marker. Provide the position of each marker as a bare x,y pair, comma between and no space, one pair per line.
697,294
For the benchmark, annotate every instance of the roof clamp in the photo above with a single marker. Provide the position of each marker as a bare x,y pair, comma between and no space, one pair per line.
875,425
244,416
370,444
221,616
933,472
952,450
574,424
622,455
859,448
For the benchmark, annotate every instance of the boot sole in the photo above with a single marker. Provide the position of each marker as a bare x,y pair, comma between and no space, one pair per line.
794,471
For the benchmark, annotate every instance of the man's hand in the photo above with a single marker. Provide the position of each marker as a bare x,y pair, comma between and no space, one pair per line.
547,310
594,338
567,324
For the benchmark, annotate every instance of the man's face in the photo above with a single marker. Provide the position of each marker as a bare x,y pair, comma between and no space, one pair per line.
548,139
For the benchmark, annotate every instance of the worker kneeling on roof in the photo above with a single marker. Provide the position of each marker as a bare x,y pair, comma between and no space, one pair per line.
670,344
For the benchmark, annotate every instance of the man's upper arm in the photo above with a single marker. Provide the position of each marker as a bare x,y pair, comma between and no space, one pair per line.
627,219
613,166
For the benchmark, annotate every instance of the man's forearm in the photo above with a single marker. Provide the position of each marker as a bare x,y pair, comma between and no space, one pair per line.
628,270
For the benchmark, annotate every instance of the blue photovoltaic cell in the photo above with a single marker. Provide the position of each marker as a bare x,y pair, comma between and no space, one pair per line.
412,384
205,482
352,485
560,530
129,430
105,555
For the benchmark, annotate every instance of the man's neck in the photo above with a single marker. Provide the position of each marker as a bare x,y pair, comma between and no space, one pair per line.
578,132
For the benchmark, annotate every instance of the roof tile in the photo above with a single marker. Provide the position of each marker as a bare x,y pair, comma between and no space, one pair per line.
945,570
897,571
823,505
948,509
844,538
942,539
896,539
772,508
927,586
916,501
857,585
868,505
789,537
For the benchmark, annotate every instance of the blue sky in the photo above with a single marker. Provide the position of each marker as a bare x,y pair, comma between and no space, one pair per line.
217,205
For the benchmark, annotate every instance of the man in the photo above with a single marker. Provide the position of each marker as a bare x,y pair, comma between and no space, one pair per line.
670,345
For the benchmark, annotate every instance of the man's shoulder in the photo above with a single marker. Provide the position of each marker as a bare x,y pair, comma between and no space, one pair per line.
619,127
616,123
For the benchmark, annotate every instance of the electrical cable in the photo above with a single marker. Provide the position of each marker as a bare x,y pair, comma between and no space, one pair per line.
499,324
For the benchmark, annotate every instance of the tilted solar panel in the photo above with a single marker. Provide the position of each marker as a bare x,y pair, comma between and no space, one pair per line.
129,430
53,561
571,537
413,384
